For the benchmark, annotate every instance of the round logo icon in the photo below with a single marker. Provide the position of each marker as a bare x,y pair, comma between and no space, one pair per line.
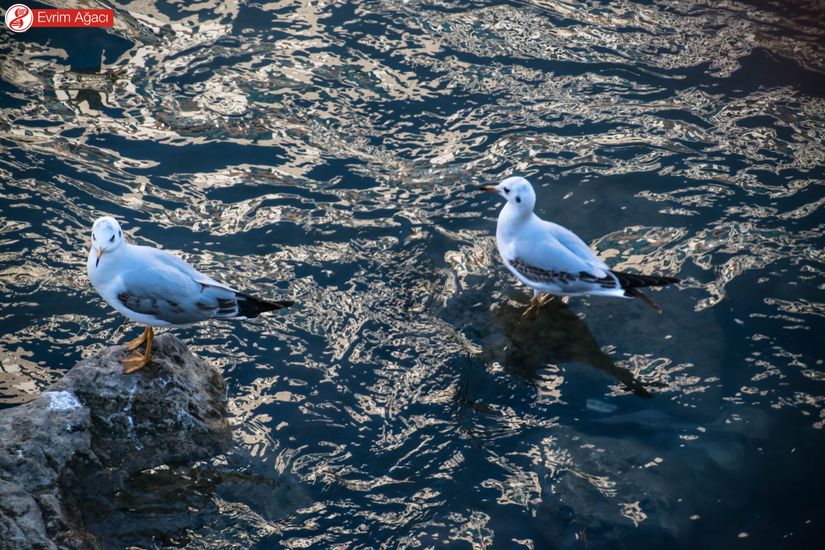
19,18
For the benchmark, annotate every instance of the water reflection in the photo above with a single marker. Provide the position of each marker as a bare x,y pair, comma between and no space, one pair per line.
557,336
184,506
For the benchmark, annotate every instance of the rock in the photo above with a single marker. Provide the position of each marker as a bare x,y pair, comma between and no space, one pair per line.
95,427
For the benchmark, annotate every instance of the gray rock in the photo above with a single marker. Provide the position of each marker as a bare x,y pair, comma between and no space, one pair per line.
95,427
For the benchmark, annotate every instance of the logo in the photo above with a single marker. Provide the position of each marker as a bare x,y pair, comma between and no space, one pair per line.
19,18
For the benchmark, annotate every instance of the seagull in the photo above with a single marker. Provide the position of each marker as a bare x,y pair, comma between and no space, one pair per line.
158,289
553,260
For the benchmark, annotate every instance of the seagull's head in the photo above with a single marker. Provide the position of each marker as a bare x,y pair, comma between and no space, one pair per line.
106,236
517,191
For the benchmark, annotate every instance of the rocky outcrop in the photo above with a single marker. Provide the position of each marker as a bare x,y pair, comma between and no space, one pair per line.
91,430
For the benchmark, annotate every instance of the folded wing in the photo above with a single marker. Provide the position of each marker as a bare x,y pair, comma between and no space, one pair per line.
161,257
552,248
168,293
575,245
553,255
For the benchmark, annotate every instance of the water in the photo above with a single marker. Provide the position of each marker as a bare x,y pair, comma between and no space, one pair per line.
327,151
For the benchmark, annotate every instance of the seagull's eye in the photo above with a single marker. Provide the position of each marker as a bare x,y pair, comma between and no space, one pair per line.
119,233
93,236
518,199
506,189
112,239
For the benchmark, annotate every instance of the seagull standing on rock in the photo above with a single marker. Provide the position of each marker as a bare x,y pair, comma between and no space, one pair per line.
158,289
551,259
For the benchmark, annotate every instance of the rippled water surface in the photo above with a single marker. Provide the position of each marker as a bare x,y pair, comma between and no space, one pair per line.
328,151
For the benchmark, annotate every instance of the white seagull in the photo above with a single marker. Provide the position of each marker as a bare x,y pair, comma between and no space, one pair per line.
158,289
551,259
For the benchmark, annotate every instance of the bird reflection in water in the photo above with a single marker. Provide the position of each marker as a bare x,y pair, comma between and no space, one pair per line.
556,336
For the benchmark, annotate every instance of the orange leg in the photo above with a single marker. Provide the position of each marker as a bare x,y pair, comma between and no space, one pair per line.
132,345
137,361
536,303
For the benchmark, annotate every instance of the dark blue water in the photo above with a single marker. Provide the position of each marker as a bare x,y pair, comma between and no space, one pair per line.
327,151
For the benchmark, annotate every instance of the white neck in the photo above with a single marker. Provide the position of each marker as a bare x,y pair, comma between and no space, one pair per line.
511,218
98,272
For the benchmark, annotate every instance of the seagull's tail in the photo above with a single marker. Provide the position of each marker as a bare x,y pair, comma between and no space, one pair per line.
631,280
631,283
250,306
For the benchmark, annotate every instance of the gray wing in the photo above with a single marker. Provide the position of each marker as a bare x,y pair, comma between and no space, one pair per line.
169,295
172,312
574,244
163,257
582,280
544,252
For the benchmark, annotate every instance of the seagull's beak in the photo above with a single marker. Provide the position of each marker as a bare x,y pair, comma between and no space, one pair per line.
99,254
488,188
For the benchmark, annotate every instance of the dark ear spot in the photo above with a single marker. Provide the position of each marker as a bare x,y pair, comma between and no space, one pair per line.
119,233
112,239
93,236
518,199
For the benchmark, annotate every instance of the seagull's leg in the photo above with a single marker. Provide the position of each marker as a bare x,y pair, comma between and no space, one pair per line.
150,337
539,300
137,342
532,311
132,363
136,361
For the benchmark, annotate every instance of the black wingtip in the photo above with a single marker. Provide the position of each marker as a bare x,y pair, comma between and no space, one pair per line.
633,280
250,306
